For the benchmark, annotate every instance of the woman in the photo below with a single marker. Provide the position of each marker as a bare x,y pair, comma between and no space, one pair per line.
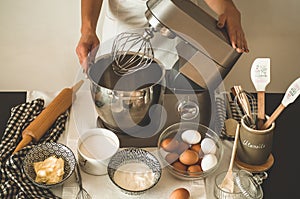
119,15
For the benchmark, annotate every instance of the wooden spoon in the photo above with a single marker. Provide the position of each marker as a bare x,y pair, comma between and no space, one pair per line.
228,182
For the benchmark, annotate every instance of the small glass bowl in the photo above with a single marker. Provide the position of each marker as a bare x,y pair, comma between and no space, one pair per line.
174,131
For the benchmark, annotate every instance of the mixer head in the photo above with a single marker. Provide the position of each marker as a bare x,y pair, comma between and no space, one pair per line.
201,40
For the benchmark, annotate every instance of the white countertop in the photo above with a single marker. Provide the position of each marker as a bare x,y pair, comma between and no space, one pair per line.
82,117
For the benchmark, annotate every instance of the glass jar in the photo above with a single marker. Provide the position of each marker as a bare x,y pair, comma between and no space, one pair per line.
246,185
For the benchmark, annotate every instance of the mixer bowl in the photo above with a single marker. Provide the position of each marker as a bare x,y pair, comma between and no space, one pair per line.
130,103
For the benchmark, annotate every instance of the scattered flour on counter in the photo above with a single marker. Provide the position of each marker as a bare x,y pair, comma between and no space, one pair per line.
134,176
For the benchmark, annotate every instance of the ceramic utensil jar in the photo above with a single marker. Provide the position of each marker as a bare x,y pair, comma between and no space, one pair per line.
254,146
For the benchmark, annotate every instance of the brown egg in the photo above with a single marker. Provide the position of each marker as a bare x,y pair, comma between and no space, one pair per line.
179,166
193,169
189,157
196,147
171,157
180,193
199,161
169,144
182,147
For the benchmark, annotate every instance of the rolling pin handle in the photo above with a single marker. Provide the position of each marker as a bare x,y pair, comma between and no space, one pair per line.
26,139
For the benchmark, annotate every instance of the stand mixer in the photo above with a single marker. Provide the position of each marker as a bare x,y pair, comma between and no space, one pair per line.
205,57
202,41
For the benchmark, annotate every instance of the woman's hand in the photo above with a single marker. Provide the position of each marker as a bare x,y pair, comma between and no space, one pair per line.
87,48
88,44
231,19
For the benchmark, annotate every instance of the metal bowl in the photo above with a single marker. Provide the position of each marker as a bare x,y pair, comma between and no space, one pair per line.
126,103
43,151
174,132
129,161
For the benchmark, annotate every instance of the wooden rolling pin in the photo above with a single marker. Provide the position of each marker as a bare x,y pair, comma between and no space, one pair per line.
39,126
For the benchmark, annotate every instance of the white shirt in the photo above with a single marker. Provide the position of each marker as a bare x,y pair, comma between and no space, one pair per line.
127,15
121,15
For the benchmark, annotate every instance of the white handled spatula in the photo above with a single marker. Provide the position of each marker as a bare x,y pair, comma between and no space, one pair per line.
260,76
290,96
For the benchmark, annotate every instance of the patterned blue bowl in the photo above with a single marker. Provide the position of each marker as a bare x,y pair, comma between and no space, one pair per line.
128,157
43,151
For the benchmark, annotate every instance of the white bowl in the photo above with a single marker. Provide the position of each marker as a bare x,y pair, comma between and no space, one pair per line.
95,148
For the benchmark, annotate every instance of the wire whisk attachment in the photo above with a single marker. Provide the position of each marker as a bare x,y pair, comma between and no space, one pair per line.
82,193
132,51
246,105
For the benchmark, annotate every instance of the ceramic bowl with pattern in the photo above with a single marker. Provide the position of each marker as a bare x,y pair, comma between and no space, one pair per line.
41,152
134,170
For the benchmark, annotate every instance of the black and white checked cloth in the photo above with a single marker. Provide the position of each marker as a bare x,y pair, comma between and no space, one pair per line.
14,183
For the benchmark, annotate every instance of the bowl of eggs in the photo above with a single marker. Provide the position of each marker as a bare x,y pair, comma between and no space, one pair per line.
190,150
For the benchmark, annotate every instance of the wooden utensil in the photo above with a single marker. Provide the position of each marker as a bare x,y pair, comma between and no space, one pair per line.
290,96
260,76
228,182
39,126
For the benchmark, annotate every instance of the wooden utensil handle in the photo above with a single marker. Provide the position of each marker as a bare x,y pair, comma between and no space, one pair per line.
77,86
273,117
26,139
234,146
260,108
47,117
39,126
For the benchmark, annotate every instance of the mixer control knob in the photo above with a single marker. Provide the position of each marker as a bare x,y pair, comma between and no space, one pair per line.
188,110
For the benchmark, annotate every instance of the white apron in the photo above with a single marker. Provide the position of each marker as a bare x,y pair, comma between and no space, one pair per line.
124,15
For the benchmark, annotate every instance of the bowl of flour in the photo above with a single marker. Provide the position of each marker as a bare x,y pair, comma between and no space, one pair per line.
134,170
